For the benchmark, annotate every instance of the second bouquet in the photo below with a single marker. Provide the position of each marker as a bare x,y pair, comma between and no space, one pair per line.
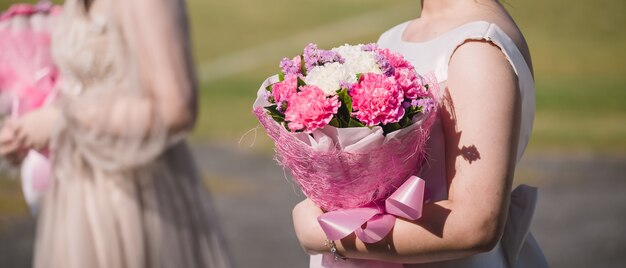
351,124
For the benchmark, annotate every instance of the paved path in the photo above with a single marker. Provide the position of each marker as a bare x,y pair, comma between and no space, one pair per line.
579,221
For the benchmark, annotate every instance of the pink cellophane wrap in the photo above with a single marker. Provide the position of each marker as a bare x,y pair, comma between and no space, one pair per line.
358,175
340,168
28,78
28,74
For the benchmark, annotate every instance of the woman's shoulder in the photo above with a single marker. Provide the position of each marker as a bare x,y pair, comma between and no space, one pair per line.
508,30
500,31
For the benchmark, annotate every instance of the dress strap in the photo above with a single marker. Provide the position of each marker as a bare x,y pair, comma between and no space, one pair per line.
490,32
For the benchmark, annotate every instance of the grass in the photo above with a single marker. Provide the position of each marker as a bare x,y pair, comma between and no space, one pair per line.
577,49
581,114
578,60
12,204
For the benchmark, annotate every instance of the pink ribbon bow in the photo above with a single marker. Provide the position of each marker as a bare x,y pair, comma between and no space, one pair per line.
406,202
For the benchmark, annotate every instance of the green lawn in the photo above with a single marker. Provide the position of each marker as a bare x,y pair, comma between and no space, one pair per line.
577,49
577,55
12,204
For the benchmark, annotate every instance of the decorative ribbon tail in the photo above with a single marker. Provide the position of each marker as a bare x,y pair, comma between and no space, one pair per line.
408,200
36,178
339,224
376,229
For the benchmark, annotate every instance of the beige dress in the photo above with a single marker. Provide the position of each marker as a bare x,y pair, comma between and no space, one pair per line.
126,192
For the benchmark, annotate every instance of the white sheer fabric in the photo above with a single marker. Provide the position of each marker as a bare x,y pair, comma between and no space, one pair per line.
126,191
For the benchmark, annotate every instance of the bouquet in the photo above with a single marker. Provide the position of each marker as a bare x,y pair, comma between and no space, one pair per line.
27,80
351,125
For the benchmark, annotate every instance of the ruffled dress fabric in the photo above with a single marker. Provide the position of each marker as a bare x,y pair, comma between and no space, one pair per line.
126,192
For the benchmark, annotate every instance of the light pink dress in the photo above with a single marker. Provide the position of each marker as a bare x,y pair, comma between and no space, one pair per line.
126,192
517,248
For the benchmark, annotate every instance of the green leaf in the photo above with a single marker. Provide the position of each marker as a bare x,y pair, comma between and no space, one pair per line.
411,111
272,110
281,76
405,121
388,128
286,127
345,99
301,82
358,77
334,122
345,109
355,123
302,65
270,88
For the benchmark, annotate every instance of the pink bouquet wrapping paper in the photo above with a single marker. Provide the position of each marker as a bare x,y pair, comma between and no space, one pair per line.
351,124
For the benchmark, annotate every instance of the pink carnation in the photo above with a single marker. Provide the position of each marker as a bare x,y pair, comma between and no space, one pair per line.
310,109
410,82
396,60
377,99
281,91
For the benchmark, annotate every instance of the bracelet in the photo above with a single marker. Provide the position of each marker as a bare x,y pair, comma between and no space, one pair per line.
333,249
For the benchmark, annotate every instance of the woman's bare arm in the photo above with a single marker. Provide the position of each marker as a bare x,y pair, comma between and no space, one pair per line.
480,118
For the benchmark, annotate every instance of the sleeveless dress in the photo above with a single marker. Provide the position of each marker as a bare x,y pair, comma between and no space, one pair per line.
126,196
517,248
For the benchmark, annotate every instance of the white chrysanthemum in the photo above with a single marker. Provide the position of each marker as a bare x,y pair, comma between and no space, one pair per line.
358,61
328,77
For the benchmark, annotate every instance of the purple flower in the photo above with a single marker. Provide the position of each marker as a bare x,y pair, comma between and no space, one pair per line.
427,104
344,84
407,104
369,47
290,66
326,56
269,97
310,56
384,65
314,56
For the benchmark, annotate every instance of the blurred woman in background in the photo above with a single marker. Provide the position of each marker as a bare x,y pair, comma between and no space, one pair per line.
125,192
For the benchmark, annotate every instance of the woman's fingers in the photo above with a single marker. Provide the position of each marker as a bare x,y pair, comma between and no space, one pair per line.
13,152
7,139
7,133
17,156
11,143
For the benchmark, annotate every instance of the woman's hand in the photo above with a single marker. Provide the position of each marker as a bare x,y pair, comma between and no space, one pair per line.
309,232
32,131
10,146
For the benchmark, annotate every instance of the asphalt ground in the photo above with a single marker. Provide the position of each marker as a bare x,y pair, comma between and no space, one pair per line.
579,220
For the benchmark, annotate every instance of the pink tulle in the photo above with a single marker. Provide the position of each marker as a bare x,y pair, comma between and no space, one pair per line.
27,72
338,179
28,10
28,80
